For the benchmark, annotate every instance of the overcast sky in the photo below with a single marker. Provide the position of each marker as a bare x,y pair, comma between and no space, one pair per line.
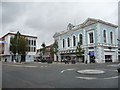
43,19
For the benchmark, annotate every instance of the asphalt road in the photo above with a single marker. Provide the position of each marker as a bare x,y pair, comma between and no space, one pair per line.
37,75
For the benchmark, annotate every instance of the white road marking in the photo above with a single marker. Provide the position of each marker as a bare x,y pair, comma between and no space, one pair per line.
91,78
67,70
91,71
111,77
87,78
109,70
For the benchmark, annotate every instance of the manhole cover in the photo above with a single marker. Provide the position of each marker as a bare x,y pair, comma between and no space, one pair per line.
91,71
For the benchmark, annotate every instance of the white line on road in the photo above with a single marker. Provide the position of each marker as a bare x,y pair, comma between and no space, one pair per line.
111,77
91,78
67,70
87,78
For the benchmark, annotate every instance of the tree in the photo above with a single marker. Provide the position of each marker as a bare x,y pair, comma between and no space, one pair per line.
54,48
19,45
79,50
43,48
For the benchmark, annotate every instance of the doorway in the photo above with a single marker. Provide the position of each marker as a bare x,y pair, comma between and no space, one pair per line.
108,58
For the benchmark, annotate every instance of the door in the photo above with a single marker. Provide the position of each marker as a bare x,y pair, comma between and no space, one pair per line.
108,58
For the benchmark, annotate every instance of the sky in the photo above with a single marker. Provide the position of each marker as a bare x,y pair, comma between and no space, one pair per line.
44,19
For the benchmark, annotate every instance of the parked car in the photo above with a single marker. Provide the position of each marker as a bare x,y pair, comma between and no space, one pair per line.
37,60
49,61
118,68
43,60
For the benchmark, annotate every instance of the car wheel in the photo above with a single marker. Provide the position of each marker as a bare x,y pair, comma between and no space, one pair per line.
118,70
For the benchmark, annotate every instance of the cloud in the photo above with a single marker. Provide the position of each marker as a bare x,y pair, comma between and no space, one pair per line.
43,19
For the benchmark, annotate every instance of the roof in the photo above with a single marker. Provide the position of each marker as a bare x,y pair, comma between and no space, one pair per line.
11,33
84,24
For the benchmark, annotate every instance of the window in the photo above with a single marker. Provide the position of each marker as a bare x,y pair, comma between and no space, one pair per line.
29,49
111,37
74,41
34,42
29,42
63,43
80,38
34,49
104,35
68,40
91,37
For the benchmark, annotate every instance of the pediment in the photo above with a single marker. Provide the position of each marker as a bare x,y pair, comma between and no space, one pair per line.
89,21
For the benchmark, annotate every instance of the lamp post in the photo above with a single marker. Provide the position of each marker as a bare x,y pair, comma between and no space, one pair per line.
17,46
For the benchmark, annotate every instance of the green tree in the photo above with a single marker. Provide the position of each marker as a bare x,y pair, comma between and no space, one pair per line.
79,50
19,45
43,48
54,48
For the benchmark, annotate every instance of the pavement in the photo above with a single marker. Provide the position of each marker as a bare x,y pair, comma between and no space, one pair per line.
58,75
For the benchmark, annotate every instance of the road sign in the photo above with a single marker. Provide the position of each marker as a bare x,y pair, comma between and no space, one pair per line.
91,52
3,42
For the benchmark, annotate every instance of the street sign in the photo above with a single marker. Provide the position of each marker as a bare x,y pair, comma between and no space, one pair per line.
84,54
3,42
91,52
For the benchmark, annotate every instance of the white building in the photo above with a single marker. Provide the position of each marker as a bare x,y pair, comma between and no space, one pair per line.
5,47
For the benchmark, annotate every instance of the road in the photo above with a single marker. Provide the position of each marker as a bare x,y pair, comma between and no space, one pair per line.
41,75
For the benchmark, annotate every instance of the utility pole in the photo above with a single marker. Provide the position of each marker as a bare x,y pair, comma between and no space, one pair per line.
17,46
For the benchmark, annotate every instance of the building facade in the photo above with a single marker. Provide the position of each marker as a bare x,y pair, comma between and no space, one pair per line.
47,55
5,47
119,50
98,38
